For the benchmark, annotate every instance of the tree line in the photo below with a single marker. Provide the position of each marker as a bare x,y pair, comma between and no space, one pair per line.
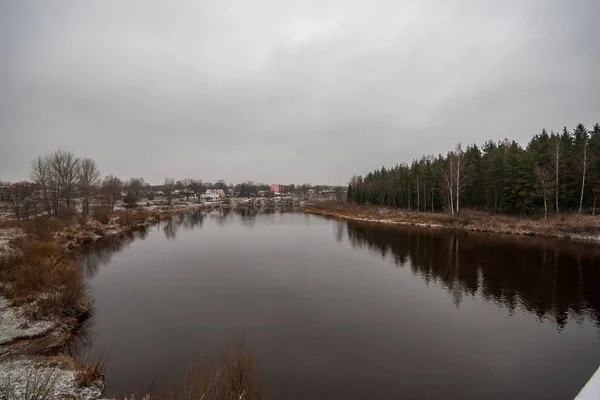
64,185
556,172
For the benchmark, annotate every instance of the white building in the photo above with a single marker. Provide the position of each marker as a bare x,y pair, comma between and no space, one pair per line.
218,192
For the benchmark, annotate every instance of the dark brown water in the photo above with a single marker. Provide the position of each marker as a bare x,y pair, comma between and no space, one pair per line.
342,310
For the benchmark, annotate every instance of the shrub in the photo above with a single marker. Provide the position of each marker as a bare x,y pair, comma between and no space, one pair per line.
133,217
39,385
130,200
233,376
92,367
101,214
41,276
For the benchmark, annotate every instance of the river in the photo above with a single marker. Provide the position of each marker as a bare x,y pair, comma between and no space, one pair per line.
343,310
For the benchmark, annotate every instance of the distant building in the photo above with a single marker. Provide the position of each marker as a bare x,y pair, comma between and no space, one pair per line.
218,192
277,188
210,197
213,194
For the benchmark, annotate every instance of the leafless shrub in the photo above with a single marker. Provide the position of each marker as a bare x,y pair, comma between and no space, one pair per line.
39,385
133,217
233,376
39,275
92,366
101,213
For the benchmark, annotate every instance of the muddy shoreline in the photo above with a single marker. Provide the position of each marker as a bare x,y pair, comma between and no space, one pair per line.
571,227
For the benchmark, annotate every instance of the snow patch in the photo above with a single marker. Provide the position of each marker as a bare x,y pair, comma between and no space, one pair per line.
6,236
14,325
48,376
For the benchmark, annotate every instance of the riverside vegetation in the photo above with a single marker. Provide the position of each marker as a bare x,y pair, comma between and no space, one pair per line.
43,297
41,280
570,226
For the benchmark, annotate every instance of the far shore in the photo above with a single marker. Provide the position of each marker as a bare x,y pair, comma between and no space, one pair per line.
569,226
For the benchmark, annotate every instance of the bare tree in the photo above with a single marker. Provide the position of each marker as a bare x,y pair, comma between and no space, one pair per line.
40,175
89,176
168,188
544,185
449,179
585,163
459,165
189,187
111,191
57,176
20,198
63,167
195,186
136,186
340,194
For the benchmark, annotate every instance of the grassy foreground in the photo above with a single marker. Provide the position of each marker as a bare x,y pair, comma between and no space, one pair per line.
572,226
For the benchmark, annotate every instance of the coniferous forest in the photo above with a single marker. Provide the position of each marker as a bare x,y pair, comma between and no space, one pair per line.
556,172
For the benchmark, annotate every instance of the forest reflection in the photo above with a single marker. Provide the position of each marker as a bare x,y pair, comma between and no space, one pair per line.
552,279
549,278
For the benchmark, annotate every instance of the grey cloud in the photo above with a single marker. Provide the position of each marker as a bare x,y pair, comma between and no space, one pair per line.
286,91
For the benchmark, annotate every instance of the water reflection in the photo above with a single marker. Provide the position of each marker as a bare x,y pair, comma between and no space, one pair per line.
100,253
77,342
170,228
552,279
310,306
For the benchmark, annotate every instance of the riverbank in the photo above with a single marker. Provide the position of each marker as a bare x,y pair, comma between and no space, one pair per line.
569,226
43,301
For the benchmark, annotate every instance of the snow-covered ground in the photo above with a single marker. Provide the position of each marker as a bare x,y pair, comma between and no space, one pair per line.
14,325
6,236
49,377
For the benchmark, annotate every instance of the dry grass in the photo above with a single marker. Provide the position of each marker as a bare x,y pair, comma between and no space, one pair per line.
233,376
92,365
39,385
39,275
133,217
575,226
42,228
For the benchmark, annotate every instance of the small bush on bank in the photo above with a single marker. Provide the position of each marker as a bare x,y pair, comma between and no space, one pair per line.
39,385
92,367
233,376
130,218
40,276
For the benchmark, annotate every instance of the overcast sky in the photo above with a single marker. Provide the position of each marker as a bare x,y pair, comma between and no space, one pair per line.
286,91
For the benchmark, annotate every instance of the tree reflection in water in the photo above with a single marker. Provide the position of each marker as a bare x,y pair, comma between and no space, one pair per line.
555,280
97,254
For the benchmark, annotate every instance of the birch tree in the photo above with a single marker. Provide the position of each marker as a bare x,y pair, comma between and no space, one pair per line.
449,180
582,138
556,165
459,165
544,185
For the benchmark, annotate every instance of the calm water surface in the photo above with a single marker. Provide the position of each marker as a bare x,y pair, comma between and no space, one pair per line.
342,310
